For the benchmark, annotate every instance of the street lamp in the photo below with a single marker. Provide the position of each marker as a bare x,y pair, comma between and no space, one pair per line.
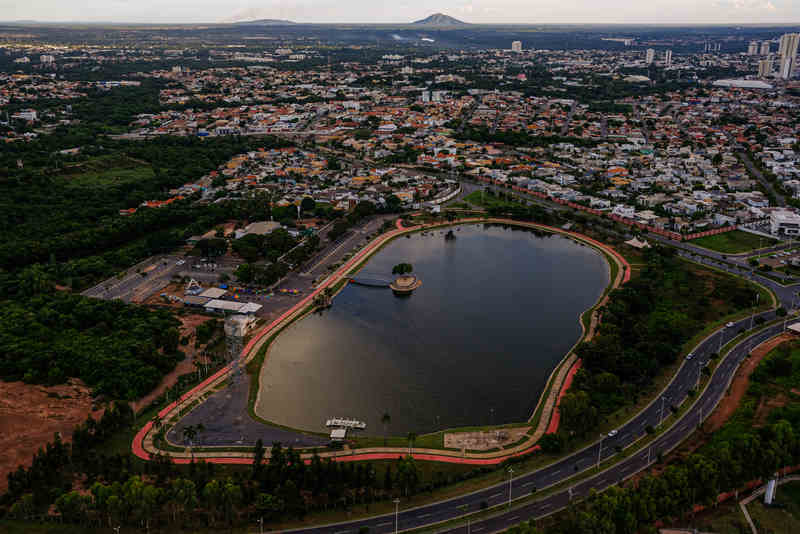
510,478
661,416
396,513
600,451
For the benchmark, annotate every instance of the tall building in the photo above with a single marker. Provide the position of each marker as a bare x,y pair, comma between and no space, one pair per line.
516,46
668,58
752,49
765,68
650,55
788,55
764,48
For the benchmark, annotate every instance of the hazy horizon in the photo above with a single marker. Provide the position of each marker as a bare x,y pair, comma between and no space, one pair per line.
661,12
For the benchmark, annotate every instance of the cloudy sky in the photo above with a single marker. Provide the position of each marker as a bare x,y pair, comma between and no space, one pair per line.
398,11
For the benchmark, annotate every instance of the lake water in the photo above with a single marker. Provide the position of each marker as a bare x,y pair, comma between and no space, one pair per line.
498,309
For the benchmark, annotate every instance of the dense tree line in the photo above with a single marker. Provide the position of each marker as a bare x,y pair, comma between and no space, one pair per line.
83,485
119,350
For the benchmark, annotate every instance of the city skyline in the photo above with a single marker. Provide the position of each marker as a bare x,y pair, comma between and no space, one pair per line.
361,11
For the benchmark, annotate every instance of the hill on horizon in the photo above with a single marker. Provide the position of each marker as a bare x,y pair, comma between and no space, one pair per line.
265,22
439,19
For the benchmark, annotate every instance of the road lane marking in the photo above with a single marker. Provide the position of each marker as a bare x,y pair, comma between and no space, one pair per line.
384,524
516,517
527,484
422,516
496,495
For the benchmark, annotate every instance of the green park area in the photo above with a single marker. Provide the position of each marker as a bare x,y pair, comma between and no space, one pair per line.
733,242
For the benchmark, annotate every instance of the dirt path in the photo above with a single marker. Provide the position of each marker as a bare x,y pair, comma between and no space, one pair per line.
30,415
741,381
188,325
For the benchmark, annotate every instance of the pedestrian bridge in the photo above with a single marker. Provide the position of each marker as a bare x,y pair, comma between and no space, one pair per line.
372,281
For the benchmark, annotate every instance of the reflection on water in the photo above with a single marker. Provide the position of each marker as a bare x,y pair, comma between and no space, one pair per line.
498,309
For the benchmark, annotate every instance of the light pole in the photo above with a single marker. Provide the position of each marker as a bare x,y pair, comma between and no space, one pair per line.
260,525
510,478
396,513
600,451
661,415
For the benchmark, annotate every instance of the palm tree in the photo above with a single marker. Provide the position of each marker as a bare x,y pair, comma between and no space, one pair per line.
385,420
190,433
412,436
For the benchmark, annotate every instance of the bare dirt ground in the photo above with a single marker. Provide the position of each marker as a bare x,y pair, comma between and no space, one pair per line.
483,441
741,381
188,325
30,415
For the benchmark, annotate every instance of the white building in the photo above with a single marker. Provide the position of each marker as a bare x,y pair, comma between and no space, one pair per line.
46,58
764,48
516,46
668,58
752,48
788,54
765,68
649,56
785,223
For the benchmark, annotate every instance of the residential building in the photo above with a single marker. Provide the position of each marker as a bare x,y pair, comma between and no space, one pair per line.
650,56
516,46
764,48
752,48
788,55
668,58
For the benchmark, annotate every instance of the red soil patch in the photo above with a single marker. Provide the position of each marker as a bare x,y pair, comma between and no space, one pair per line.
30,415
188,325
741,381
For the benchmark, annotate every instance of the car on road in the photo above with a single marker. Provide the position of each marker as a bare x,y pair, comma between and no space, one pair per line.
180,262
690,356
613,433
728,325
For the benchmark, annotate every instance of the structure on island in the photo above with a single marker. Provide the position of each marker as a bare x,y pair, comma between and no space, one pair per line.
405,284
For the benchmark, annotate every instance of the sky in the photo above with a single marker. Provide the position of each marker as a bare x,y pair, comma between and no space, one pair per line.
402,11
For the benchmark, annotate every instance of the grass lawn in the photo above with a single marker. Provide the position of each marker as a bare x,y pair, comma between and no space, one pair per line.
733,242
783,516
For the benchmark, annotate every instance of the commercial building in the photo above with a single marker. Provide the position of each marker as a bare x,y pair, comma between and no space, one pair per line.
516,46
650,56
752,48
784,223
788,55
764,48
668,58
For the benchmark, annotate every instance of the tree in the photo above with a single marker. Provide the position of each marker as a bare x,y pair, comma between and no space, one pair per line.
308,204
407,475
386,419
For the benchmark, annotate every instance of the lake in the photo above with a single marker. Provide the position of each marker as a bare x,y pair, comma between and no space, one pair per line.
498,309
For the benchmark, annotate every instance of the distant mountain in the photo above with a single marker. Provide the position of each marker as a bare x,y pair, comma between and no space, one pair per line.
265,22
440,20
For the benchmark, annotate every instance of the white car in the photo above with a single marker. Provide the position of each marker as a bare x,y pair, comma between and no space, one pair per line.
728,325
613,433
689,356
180,262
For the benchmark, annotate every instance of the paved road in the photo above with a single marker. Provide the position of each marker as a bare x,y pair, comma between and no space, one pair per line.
522,486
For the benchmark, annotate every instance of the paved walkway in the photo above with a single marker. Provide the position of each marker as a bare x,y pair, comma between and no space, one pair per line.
143,445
